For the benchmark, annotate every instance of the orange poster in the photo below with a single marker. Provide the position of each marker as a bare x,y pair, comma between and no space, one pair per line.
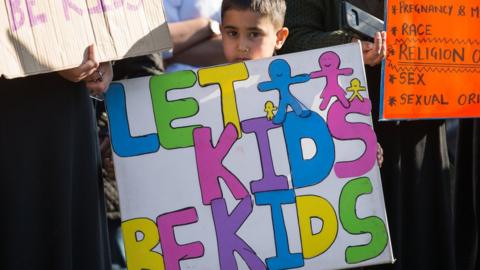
432,68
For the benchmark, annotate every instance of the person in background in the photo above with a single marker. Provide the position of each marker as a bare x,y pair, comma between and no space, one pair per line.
467,195
128,68
50,187
416,171
195,33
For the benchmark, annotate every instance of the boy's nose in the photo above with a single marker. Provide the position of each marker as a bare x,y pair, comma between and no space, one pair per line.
243,47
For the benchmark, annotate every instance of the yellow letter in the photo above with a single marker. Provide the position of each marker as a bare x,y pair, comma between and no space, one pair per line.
309,207
139,249
225,76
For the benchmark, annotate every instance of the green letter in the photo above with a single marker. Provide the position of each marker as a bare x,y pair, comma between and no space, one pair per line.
166,111
354,225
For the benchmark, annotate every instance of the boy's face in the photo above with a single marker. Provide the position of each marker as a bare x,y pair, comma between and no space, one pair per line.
247,35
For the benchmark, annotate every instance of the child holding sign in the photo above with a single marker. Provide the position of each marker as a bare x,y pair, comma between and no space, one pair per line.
254,30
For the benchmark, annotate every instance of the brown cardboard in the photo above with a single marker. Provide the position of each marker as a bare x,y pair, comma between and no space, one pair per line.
39,36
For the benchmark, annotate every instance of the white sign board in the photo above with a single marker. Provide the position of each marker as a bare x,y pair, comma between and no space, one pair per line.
254,165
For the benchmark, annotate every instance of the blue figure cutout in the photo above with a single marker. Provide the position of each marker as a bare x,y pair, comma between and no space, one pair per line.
281,79
329,67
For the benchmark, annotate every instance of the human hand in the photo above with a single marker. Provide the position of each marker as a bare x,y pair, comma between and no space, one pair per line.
379,155
374,53
98,82
87,68
97,76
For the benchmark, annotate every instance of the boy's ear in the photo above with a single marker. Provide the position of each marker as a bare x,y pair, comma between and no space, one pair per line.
282,35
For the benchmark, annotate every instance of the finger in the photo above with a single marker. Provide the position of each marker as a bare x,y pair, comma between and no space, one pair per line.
378,42
384,36
91,53
90,63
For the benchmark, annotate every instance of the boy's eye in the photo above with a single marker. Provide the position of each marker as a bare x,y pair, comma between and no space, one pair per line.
254,34
232,33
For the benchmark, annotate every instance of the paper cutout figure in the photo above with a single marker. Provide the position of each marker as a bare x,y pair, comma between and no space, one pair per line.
281,79
269,109
356,87
329,67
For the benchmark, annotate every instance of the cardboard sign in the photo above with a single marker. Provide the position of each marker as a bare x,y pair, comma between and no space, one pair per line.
267,163
433,65
39,36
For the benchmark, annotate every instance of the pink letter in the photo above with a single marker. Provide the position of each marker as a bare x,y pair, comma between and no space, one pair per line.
15,9
97,9
118,3
34,19
134,7
343,130
68,4
172,252
210,167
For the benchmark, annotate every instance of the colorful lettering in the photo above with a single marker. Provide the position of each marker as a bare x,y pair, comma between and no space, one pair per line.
372,225
270,181
225,76
309,207
166,111
226,227
123,144
284,259
172,252
139,249
311,171
210,167
343,130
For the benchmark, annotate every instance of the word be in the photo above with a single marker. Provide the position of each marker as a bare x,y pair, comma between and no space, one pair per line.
20,9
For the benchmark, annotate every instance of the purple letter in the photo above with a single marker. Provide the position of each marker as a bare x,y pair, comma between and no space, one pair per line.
16,10
134,7
343,130
172,252
210,167
97,9
68,4
118,3
226,227
34,19
270,181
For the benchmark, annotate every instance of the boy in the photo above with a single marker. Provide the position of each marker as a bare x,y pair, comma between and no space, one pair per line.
252,29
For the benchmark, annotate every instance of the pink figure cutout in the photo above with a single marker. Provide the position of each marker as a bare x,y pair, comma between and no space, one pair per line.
329,67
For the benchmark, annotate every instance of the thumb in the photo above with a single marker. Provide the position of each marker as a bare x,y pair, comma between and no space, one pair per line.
91,56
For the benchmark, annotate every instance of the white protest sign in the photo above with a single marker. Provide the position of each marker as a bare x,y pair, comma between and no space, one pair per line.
262,164
39,36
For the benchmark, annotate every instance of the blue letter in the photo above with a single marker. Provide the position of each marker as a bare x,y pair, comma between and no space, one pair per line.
284,259
312,171
123,143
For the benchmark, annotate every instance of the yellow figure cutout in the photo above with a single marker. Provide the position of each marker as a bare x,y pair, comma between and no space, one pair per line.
355,88
269,109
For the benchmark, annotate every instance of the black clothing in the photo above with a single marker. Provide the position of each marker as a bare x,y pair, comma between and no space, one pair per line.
416,172
467,195
50,189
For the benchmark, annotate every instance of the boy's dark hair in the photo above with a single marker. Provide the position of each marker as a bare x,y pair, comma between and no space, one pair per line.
273,9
